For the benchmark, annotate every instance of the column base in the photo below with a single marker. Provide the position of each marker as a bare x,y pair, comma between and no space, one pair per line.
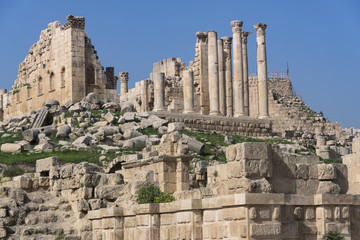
214,114
264,117
239,115
188,111
159,110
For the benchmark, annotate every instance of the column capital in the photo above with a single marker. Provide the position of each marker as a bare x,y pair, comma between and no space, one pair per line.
202,36
260,29
244,36
227,42
236,26
124,76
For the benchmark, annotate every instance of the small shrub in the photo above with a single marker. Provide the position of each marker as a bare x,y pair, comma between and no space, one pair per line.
60,236
333,235
153,194
164,198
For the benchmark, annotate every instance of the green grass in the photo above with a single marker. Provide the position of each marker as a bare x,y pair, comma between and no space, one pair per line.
11,139
150,131
330,161
217,139
65,156
60,236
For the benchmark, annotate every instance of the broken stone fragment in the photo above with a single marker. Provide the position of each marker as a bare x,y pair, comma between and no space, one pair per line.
109,117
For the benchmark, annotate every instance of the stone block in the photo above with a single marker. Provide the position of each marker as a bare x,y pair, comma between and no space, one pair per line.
258,230
233,214
44,165
175,126
255,150
356,145
326,172
3,212
309,213
11,148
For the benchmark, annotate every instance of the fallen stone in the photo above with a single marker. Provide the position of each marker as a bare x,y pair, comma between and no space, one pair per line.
63,131
11,148
109,117
175,126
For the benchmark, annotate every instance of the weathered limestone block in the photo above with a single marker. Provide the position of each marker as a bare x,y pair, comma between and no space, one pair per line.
83,140
45,164
109,117
11,148
175,126
356,145
63,131
129,116
255,150
328,187
93,98
258,230
326,172
127,107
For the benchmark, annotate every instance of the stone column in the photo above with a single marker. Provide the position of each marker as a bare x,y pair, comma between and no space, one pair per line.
202,46
262,70
188,88
238,90
159,91
244,36
124,78
222,84
228,76
213,73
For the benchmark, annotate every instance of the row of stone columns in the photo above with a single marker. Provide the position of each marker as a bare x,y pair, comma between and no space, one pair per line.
228,84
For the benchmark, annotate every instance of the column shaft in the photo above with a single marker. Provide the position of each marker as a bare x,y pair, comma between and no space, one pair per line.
213,73
188,88
245,72
202,46
262,70
222,84
159,91
238,82
228,76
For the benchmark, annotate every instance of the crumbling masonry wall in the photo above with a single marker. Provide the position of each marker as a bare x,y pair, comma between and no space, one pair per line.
62,65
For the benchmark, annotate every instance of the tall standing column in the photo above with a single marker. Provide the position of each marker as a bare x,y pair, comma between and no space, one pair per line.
244,36
262,70
238,82
228,76
213,73
202,47
124,78
188,88
222,84
159,91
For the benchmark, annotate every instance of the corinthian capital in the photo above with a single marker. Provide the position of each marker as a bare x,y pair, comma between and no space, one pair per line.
260,28
244,36
236,26
124,76
227,42
202,36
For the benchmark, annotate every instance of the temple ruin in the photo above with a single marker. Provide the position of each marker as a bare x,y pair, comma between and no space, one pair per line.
250,188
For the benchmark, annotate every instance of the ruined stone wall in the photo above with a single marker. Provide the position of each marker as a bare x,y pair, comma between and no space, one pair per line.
258,194
62,65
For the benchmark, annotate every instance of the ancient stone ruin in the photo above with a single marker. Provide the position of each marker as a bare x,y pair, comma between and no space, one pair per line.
236,155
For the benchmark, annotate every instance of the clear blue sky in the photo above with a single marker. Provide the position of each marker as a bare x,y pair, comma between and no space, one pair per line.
319,39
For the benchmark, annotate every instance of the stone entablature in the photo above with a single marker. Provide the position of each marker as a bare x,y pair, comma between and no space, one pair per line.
62,65
242,126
